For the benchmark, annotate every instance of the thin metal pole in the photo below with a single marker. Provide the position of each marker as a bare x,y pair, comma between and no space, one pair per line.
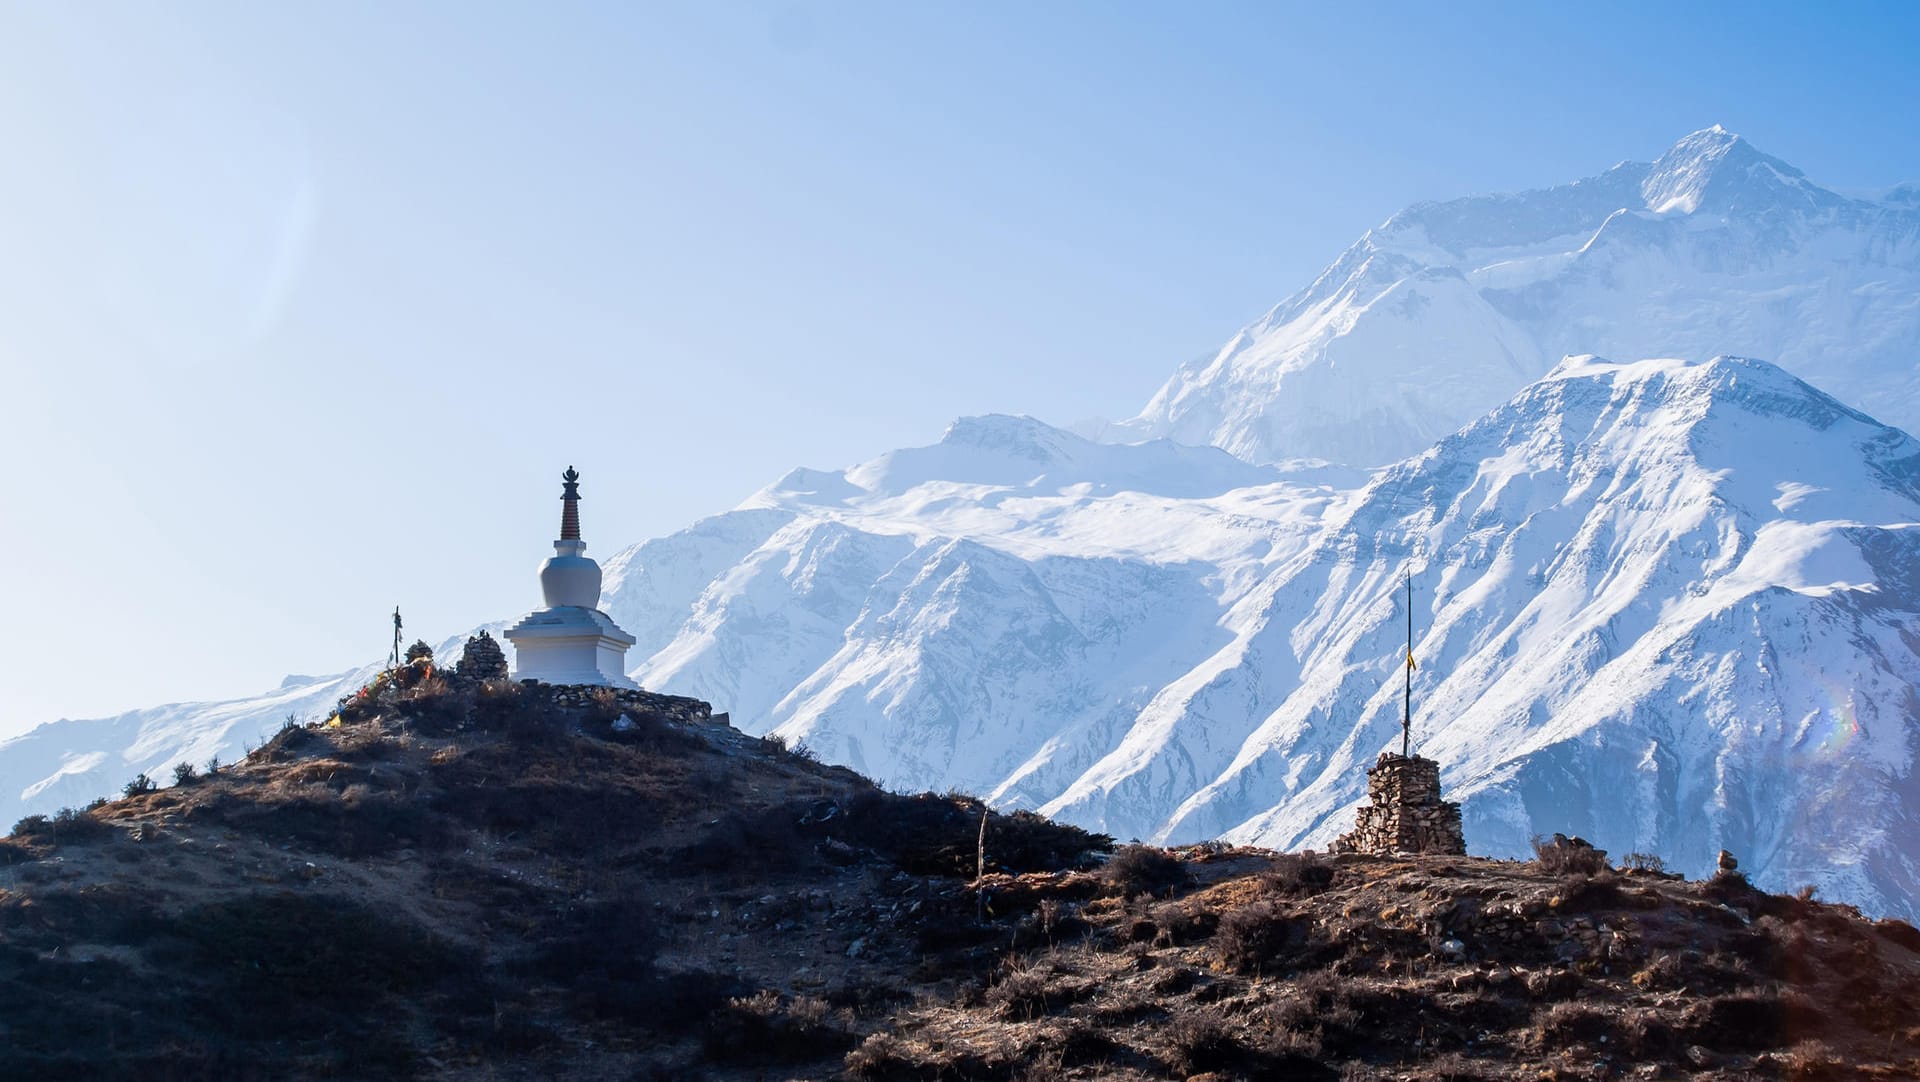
1406,719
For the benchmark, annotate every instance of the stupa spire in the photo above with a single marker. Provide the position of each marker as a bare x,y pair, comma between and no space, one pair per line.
570,509
570,641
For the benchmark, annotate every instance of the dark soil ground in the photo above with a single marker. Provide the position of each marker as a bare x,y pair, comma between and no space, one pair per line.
485,881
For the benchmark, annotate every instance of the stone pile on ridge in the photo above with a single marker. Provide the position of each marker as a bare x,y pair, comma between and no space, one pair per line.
482,659
1406,814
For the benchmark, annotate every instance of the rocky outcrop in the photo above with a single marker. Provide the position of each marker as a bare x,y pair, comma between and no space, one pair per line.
1407,814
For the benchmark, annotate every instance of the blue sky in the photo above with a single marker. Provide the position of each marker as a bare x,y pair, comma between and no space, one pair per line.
303,307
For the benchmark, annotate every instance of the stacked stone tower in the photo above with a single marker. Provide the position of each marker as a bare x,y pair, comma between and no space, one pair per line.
1407,814
482,659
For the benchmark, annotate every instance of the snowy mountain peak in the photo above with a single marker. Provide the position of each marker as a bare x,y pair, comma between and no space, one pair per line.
1668,375
1020,436
1447,308
1904,196
1714,169
1719,388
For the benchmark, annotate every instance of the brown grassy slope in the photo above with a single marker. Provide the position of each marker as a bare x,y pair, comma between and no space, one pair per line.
473,881
1284,966
476,882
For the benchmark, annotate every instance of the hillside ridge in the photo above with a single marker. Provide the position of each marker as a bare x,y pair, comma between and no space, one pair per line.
464,879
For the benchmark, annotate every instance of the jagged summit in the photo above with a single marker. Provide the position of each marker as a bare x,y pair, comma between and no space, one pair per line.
1019,435
1448,307
1718,171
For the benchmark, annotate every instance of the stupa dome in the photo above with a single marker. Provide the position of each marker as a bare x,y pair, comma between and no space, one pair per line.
569,577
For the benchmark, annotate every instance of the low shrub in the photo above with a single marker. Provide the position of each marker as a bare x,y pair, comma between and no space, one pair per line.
1198,1042
1644,862
291,742
883,1056
1256,938
1731,888
1567,1025
1750,1022
1297,875
1561,855
140,784
68,826
1178,924
1051,922
929,834
768,1028
1144,869
1584,891
1020,994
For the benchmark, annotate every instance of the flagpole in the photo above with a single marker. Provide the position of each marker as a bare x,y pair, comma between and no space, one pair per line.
1406,719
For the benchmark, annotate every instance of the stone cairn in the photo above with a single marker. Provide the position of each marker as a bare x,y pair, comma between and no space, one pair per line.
1407,814
482,659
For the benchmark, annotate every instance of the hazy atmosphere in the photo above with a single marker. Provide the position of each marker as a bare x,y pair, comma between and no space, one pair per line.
303,309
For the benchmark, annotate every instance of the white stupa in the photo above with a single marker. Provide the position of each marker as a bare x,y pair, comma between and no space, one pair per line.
570,641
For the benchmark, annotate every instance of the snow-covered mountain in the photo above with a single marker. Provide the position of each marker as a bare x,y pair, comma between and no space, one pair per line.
1446,309
1669,605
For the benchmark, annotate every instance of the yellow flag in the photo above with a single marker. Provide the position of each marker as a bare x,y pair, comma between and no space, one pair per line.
1410,664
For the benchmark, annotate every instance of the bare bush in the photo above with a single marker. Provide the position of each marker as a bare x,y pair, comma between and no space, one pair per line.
1298,875
1561,855
1644,862
1256,937
1199,1042
1144,869
767,1027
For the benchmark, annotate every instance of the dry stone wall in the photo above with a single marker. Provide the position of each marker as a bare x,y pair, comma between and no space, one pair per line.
1406,814
678,708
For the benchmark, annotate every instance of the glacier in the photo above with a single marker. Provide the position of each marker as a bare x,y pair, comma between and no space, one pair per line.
1667,604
